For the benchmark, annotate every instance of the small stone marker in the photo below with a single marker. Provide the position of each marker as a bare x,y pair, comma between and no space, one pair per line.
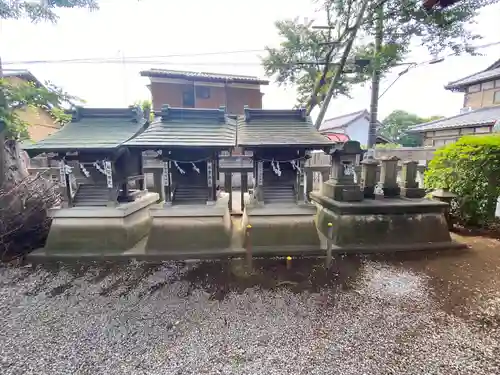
409,188
389,178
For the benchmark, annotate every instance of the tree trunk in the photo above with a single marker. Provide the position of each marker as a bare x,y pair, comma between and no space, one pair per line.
379,36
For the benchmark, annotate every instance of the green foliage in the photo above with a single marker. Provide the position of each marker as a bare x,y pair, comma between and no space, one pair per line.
300,58
470,168
41,10
22,95
395,126
147,106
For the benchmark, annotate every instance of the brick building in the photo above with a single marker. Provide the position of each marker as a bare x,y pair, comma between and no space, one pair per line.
204,90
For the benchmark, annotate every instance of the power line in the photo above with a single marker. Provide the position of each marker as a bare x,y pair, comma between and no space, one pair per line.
119,59
145,59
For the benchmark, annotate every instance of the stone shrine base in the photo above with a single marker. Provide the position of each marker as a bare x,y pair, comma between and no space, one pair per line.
282,229
98,230
188,231
377,225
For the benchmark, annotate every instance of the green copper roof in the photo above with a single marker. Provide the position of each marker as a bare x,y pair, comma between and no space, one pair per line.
93,129
188,127
266,128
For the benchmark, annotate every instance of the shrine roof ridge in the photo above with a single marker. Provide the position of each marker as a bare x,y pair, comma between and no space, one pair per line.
169,114
188,128
279,127
274,114
134,113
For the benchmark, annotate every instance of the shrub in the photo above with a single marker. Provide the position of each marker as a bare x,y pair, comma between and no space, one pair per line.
24,223
470,168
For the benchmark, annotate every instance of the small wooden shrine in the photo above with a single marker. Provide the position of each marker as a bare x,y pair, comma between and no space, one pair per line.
188,141
279,140
101,213
96,169
280,218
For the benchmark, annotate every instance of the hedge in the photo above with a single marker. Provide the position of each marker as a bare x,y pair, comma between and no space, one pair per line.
470,168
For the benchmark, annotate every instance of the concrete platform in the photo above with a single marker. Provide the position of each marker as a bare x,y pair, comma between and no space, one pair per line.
182,230
99,229
385,225
282,229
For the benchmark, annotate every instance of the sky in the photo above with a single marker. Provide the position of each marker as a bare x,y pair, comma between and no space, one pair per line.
152,32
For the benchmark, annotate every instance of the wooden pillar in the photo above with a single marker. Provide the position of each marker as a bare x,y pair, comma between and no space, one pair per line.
210,180
112,193
65,184
166,178
309,174
228,188
259,180
244,188
141,184
301,181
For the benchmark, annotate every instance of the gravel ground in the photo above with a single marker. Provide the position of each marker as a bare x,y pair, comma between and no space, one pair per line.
363,317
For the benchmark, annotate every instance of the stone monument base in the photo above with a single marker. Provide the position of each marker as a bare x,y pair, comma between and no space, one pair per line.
397,224
282,229
189,231
99,230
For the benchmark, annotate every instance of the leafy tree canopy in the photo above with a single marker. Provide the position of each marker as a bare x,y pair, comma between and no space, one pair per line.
395,126
300,59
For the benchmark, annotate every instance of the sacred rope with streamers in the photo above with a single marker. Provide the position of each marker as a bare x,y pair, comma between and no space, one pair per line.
98,167
181,171
85,172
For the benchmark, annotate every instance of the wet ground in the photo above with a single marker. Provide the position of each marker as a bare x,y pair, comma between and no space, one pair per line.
413,313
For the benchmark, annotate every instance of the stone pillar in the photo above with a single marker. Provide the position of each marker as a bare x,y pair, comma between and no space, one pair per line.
388,178
167,182
228,188
369,177
409,184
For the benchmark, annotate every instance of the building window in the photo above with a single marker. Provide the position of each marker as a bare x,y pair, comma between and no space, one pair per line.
188,98
496,97
488,85
443,142
497,83
474,88
202,92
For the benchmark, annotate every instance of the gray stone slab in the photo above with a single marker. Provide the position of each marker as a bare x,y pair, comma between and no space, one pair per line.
120,211
187,211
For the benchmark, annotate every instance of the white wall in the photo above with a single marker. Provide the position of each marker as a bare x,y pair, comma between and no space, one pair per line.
358,131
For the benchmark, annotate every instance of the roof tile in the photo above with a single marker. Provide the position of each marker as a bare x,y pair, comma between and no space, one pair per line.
259,127
340,121
485,75
180,74
93,128
482,116
188,127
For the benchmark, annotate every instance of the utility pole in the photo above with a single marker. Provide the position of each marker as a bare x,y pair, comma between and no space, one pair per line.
341,65
379,36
